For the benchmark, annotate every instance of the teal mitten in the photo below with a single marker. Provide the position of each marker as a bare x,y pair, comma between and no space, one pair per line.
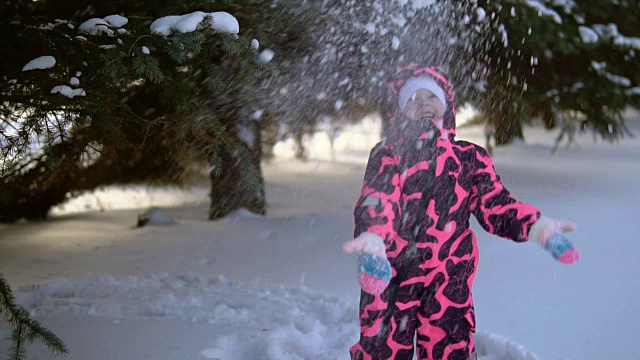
549,233
374,269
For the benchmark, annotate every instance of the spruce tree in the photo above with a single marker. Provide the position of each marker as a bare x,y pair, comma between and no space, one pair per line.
569,63
147,106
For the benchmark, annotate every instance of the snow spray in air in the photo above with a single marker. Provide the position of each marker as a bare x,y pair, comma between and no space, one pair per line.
350,48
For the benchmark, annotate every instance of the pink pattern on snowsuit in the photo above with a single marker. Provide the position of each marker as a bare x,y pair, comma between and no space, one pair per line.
432,250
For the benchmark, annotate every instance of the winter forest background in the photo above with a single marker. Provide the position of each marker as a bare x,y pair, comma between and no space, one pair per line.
229,106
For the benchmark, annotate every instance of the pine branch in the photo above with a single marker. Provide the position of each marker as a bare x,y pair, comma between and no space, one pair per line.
231,46
136,41
213,79
174,47
215,162
26,330
113,67
148,66
194,41
17,352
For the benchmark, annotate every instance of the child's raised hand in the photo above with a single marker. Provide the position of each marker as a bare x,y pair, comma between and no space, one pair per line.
549,233
374,269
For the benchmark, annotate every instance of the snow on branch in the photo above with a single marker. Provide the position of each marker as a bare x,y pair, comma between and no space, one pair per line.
633,91
544,11
633,42
567,5
96,26
610,31
67,91
588,35
40,63
616,79
106,25
220,21
116,21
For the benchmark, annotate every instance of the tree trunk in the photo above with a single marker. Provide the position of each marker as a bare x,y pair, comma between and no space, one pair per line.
506,123
231,190
300,152
548,118
270,136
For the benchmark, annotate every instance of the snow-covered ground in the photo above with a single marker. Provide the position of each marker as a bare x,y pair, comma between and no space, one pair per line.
279,287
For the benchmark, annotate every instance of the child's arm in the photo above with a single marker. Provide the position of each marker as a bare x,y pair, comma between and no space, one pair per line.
379,204
376,210
499,213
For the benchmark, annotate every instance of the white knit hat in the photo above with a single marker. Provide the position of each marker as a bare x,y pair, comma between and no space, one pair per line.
414,84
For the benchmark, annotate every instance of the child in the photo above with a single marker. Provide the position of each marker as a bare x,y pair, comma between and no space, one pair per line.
418,257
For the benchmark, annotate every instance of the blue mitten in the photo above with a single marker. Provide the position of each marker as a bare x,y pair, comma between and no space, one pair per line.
374,269
549,233
374,273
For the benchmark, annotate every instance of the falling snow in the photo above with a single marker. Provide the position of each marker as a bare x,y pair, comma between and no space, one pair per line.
266,55
246,134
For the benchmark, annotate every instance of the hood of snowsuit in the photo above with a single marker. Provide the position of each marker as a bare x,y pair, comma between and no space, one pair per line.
398,122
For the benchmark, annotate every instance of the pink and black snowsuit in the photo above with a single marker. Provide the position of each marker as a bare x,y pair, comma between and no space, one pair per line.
420,188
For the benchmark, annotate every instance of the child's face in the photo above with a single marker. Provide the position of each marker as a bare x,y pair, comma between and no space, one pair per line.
423,104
